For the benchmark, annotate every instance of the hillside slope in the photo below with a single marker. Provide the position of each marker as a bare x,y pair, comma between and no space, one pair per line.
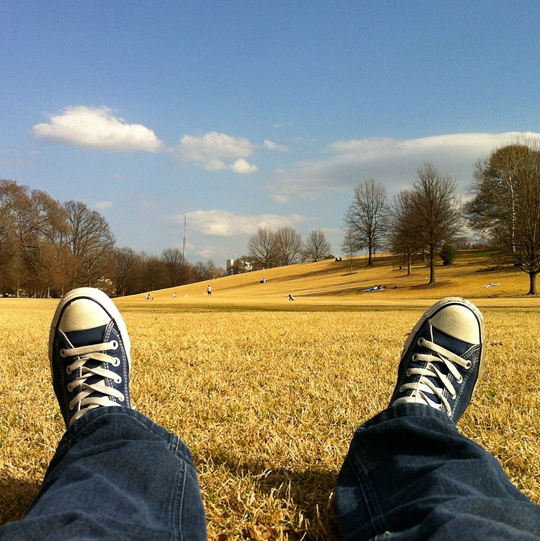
330,284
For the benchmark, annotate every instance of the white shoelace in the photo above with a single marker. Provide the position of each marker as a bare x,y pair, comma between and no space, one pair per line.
424,386
84,401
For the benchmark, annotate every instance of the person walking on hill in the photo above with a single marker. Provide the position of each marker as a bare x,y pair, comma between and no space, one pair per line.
409,473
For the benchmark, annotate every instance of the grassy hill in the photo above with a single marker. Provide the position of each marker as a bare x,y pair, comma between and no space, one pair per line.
331,285
267,393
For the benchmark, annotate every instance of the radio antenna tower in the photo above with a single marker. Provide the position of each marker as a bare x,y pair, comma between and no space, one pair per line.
184,241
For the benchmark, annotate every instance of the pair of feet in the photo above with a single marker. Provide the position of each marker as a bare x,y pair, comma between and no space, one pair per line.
89,351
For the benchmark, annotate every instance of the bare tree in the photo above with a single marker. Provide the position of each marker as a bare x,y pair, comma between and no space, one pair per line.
317,247
128,271
506,204
180,272
289,246
32,229
435,210
263,247
367,217
493,210
403,238
91,242
155,273
207,271
349,247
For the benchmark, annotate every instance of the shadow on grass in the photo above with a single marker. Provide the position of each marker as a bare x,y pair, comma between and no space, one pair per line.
15,497
310,492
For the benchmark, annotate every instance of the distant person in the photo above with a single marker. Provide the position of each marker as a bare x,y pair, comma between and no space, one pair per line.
148,296
291,298
174,295
209,290
409,473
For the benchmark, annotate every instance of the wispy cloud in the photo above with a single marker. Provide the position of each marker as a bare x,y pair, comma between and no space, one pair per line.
103,205
97,127
393,162
222,223
270,145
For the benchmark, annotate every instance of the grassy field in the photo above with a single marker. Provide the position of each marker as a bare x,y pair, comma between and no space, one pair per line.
267,392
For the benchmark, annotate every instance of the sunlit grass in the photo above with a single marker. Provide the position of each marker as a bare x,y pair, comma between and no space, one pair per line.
267,393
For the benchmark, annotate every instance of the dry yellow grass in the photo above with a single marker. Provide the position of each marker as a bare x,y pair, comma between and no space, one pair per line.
267,393
330,285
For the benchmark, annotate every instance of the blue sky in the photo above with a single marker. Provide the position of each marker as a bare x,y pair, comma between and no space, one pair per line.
242,114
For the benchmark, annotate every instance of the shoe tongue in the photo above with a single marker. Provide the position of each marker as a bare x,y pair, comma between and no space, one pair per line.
86,337
449,342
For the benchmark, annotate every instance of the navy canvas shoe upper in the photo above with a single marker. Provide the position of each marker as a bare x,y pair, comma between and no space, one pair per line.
89,352
441,358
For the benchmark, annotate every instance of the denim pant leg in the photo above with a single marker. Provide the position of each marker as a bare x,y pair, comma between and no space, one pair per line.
411,475
116,475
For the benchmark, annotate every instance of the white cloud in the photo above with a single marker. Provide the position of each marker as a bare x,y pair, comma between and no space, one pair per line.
392,162
222,223
215,165
270,145
209,252
97,128
103,205
214,145
211,151
243,167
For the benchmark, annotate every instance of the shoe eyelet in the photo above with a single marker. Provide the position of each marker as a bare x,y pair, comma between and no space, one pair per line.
401,389
116,361
114,344
408,373
63,353
123,399
68,370
420,341
118,380
460,380
468,365
415,357
70,387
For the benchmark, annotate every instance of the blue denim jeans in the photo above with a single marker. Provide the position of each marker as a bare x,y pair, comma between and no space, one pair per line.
411,475
116,475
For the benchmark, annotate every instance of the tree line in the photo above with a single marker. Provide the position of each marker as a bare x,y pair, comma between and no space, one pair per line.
503,209
47,248
270,248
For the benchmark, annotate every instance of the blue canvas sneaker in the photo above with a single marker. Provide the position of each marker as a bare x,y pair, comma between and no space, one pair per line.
89,352
441,358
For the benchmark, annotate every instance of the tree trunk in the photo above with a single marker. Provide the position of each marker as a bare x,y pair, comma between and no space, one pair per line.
409,264
532,283
431,267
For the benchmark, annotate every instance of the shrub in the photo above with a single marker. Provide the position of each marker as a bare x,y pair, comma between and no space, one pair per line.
448,254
